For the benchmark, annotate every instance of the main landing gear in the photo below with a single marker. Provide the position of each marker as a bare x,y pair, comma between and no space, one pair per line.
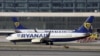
13,42
49,43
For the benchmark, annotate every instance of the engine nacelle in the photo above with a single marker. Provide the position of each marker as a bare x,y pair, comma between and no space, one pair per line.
37,40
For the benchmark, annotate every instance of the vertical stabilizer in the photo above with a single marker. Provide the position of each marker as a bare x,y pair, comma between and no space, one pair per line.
86,26
17,24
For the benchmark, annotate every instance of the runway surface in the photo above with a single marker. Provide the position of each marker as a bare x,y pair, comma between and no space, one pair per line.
28,49
47,53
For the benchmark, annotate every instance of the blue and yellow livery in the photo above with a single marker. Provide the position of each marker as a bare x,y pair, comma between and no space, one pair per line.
17,24
86,26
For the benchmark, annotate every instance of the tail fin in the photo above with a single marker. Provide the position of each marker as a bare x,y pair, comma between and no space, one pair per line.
87,25
17,24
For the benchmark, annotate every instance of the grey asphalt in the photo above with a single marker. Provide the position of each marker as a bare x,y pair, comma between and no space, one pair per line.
14,52
48,53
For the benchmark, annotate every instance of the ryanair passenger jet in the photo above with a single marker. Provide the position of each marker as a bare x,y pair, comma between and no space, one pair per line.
49,38
21,29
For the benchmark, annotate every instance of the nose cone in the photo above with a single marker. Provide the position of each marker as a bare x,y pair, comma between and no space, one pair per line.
8,38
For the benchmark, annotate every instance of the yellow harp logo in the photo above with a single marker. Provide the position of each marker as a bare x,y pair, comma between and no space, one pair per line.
87,25
16,24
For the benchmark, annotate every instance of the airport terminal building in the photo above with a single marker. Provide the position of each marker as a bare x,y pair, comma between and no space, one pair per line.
56,21
49,5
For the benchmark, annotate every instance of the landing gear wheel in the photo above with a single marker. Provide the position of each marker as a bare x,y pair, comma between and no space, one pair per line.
14,43
47,43
51,43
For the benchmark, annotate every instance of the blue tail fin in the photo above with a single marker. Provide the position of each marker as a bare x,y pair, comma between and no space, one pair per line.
17,24
86,27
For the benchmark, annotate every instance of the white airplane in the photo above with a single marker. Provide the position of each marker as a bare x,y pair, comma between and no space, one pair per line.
21,29
49,38
46,37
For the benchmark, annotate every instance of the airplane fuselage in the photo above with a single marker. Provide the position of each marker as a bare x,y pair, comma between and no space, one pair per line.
56,37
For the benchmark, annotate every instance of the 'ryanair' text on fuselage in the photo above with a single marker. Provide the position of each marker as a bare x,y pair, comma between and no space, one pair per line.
31,35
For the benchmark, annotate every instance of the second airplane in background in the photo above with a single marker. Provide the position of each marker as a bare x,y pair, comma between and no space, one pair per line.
21,29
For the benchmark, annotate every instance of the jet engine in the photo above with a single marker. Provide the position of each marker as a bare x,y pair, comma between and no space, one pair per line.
37,40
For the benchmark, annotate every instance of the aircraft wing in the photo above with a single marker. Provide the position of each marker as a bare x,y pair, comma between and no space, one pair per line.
41,40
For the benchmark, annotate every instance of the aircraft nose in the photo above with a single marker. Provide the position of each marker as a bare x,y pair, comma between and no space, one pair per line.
8,38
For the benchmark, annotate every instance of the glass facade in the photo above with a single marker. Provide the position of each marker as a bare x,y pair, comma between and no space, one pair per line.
47,22
49,5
